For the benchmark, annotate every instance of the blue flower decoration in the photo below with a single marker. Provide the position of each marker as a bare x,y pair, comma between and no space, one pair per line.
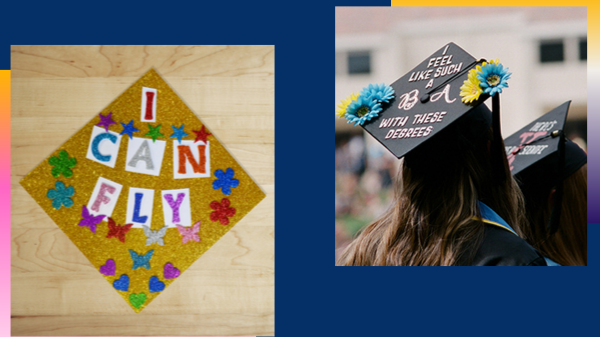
493,78
378,92
61,195
362,109
225,181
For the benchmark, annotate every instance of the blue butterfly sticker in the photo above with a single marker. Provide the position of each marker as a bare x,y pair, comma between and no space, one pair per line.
140,260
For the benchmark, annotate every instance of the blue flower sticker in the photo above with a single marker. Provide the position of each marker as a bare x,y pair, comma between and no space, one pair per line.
493,77
61,195
225,181
362,110
378,92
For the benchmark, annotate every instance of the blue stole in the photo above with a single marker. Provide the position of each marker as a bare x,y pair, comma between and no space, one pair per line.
551,263
490,217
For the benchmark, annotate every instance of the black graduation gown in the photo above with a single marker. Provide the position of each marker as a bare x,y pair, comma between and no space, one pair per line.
500,247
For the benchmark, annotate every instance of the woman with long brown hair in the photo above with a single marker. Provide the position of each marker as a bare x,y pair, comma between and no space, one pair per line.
454,195
568,245
554,184
435,218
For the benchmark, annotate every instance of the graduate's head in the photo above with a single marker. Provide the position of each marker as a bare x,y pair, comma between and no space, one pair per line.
452,153
552,173
462,150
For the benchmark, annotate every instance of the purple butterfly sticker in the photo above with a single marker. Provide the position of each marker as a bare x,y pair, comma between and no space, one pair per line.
89,220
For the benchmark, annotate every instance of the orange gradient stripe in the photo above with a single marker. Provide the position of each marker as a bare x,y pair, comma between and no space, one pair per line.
593,8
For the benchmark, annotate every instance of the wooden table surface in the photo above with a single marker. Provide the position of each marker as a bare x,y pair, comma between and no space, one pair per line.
55,290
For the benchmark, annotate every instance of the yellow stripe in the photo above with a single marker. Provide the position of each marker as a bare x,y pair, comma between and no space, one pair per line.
494,223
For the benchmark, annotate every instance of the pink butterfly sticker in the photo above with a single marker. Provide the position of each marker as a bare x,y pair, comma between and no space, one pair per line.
189,234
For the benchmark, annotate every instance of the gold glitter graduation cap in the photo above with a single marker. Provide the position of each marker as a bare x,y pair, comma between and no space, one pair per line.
143,190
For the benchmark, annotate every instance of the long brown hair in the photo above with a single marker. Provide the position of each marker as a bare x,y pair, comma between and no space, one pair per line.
568,246
430,221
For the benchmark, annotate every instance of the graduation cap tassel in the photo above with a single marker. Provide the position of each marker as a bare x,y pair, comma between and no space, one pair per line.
498,152
557,206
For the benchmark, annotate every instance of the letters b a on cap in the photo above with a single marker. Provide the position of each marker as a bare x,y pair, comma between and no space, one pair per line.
444,87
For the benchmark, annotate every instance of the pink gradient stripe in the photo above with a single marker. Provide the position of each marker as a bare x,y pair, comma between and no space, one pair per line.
5,199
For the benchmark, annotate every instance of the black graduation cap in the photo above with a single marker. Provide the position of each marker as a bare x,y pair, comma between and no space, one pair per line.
426,101
538,144
539,155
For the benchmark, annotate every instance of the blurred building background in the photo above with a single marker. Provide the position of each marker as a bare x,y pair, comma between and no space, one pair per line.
545,48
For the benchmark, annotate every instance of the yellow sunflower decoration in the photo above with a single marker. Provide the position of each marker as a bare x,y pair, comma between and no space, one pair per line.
470,90
345,102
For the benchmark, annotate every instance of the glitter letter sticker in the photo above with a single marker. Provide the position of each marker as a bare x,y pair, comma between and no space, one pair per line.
104,197
139,207
104,146
176,207
145,156
191,159
149,104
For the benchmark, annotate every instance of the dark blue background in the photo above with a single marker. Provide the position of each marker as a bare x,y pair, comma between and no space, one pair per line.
312,296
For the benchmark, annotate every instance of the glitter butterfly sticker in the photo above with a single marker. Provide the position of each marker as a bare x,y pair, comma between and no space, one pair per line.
89,220
189,234
140,260
117,231
155,236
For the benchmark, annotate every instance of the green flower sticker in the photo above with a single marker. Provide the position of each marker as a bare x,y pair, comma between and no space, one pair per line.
62,164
